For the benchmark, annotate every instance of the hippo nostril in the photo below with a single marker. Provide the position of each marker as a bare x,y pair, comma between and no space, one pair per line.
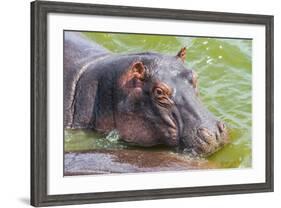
221,126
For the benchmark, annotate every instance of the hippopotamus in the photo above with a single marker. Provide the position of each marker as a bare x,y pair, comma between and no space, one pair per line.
148,98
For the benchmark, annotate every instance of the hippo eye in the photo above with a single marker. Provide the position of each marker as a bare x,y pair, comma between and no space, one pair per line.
162,97
158,91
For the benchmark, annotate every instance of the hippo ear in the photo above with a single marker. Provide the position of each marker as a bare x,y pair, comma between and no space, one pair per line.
182,54
133,77
138,70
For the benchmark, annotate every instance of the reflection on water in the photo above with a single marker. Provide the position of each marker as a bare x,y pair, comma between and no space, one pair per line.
224,67
130,161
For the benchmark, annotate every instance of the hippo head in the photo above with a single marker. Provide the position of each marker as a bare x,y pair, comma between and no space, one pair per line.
158,103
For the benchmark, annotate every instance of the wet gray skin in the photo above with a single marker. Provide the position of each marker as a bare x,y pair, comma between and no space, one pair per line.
149,98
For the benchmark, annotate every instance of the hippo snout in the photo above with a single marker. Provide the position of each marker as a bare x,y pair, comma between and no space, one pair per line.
207,140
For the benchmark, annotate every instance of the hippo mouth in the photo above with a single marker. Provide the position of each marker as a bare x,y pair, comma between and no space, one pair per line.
203,141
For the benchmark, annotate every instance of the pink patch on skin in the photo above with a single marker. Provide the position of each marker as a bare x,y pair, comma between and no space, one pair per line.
137,92
134,129
104,124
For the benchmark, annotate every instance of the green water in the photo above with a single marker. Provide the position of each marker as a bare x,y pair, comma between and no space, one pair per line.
224,67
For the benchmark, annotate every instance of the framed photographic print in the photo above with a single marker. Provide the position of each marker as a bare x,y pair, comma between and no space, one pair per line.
131,103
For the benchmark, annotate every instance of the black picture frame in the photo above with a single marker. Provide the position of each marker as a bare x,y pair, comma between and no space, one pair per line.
39,12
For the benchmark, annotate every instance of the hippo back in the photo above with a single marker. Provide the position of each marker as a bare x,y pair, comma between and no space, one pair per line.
79,53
